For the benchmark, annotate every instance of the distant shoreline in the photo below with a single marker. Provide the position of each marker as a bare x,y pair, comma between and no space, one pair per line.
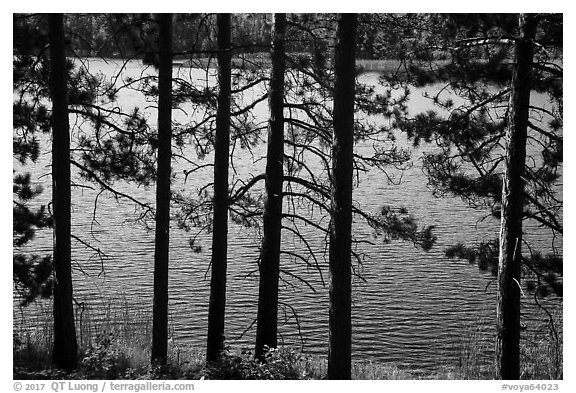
261,60
257,60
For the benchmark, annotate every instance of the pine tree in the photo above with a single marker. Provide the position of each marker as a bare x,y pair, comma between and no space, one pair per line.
215,342
472,56
162,239
490,62
65,352
340,316
512,210
267,329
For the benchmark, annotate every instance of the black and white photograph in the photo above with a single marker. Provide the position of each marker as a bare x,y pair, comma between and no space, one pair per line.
287,196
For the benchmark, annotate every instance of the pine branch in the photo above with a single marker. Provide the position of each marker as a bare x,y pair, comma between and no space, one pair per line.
245,188
310,251
305,220
556,70
283,271
314,201
547,134
116,193
481,41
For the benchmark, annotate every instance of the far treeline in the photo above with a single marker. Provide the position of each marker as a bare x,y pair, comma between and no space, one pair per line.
125,36
306,67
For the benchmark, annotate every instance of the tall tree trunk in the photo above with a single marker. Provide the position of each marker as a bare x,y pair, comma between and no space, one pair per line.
510,260
216,312
267,329
340,334
65,353
161,254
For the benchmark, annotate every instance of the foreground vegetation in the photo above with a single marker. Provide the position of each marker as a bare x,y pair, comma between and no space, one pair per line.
122,351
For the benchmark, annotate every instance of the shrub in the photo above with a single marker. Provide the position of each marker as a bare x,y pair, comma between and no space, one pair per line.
104,360
277,364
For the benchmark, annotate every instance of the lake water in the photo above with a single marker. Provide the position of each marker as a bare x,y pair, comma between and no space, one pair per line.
414,309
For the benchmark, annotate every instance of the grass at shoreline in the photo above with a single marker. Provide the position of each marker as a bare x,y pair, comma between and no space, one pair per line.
118,347
110,358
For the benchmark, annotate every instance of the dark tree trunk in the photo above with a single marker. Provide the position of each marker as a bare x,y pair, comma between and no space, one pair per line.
65,354
340,330
508,309
216,312
267,329
160,308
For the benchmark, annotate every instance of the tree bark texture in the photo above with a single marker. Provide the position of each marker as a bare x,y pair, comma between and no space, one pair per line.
510,259
65,352
216,313
161,251
267,329
340,291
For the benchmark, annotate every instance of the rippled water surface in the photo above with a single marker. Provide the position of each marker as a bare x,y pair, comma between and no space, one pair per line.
412,308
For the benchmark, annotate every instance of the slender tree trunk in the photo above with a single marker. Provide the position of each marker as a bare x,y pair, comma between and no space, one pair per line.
65,353
508,309
216,312
267,329
161,254
340,334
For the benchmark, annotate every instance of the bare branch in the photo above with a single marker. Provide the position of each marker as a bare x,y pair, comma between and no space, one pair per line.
294,275
245,188
116,193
